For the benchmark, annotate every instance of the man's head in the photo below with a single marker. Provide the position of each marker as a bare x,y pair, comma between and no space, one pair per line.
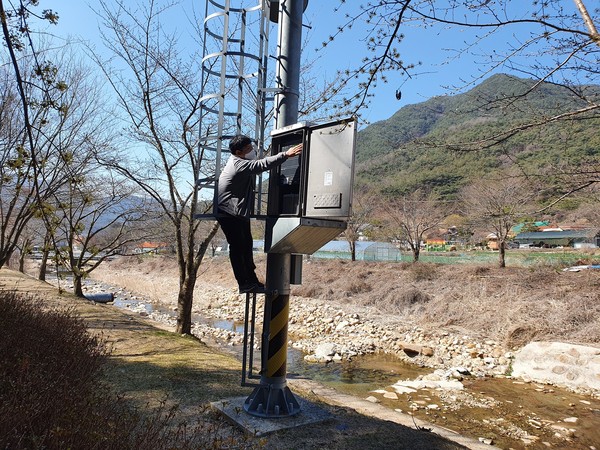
240,145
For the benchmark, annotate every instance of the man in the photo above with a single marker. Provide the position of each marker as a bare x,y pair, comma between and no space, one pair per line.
235,200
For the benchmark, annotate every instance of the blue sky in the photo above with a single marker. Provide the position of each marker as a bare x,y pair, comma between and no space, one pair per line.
433,47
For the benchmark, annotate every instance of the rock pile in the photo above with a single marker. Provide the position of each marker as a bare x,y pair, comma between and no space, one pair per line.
327,332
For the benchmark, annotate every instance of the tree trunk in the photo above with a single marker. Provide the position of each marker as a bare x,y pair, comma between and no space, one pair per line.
44,264
501,254
187,282
22,262
353,250
45,254
184,304
77,285
7,258
416,252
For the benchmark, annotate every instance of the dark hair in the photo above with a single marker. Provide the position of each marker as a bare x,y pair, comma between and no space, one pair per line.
238,142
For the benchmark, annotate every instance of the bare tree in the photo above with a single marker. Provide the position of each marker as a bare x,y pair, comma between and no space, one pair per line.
16,191
159,93
94,218
31,114
498,205
410,217
553,41
363,207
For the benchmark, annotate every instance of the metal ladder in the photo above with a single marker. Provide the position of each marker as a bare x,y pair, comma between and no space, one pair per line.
234,79
248,350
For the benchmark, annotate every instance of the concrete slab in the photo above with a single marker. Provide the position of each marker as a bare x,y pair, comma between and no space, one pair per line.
570,365
233,409
378,411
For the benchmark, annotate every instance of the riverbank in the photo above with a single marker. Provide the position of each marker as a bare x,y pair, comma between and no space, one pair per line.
507,412
442,317
352,321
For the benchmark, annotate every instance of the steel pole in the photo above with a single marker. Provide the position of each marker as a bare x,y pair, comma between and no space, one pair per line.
273,397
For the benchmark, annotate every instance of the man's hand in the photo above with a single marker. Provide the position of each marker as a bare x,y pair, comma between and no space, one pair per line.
294,151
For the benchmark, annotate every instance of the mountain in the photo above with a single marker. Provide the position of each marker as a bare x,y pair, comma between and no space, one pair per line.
410,150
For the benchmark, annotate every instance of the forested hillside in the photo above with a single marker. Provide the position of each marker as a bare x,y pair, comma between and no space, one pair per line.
444,143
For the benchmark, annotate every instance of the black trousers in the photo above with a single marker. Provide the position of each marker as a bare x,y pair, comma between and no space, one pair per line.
239,237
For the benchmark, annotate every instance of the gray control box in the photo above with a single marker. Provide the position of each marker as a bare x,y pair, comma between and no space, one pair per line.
310,197
330,170
318,184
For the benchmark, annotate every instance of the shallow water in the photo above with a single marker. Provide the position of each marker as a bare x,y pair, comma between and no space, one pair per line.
510,413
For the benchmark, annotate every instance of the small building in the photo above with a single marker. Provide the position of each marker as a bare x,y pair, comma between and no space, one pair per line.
439,245
589,238
153,248
529,227
492,241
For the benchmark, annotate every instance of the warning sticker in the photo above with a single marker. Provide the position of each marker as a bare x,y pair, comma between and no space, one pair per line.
328,179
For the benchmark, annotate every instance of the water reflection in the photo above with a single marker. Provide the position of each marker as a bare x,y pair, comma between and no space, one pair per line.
132,304
365,372
227,325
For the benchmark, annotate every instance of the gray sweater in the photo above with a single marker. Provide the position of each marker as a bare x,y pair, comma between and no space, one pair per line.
236,183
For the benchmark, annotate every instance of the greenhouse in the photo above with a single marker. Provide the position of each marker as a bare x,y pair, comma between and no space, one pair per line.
365,251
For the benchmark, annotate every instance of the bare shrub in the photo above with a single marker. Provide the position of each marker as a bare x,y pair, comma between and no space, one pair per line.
308,290
358,287
423,272
52,394
540,275
403,265
48,365
520,336
409,297
398,300
481,270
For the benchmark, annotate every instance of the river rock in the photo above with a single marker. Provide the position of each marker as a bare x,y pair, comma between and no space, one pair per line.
324,350
416,349
430,384
400,389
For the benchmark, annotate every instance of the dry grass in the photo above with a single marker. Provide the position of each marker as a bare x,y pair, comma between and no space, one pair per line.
511,305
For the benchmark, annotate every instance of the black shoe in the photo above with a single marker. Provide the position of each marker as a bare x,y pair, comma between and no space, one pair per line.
252,288
254,280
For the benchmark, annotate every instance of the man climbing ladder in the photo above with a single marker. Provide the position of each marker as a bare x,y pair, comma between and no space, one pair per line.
235,201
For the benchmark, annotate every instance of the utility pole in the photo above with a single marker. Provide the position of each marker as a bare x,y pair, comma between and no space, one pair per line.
273,398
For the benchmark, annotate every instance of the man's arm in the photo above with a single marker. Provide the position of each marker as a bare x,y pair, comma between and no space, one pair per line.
262,165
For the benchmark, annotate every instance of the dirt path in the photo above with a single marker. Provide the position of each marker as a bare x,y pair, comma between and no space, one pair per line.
149,365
